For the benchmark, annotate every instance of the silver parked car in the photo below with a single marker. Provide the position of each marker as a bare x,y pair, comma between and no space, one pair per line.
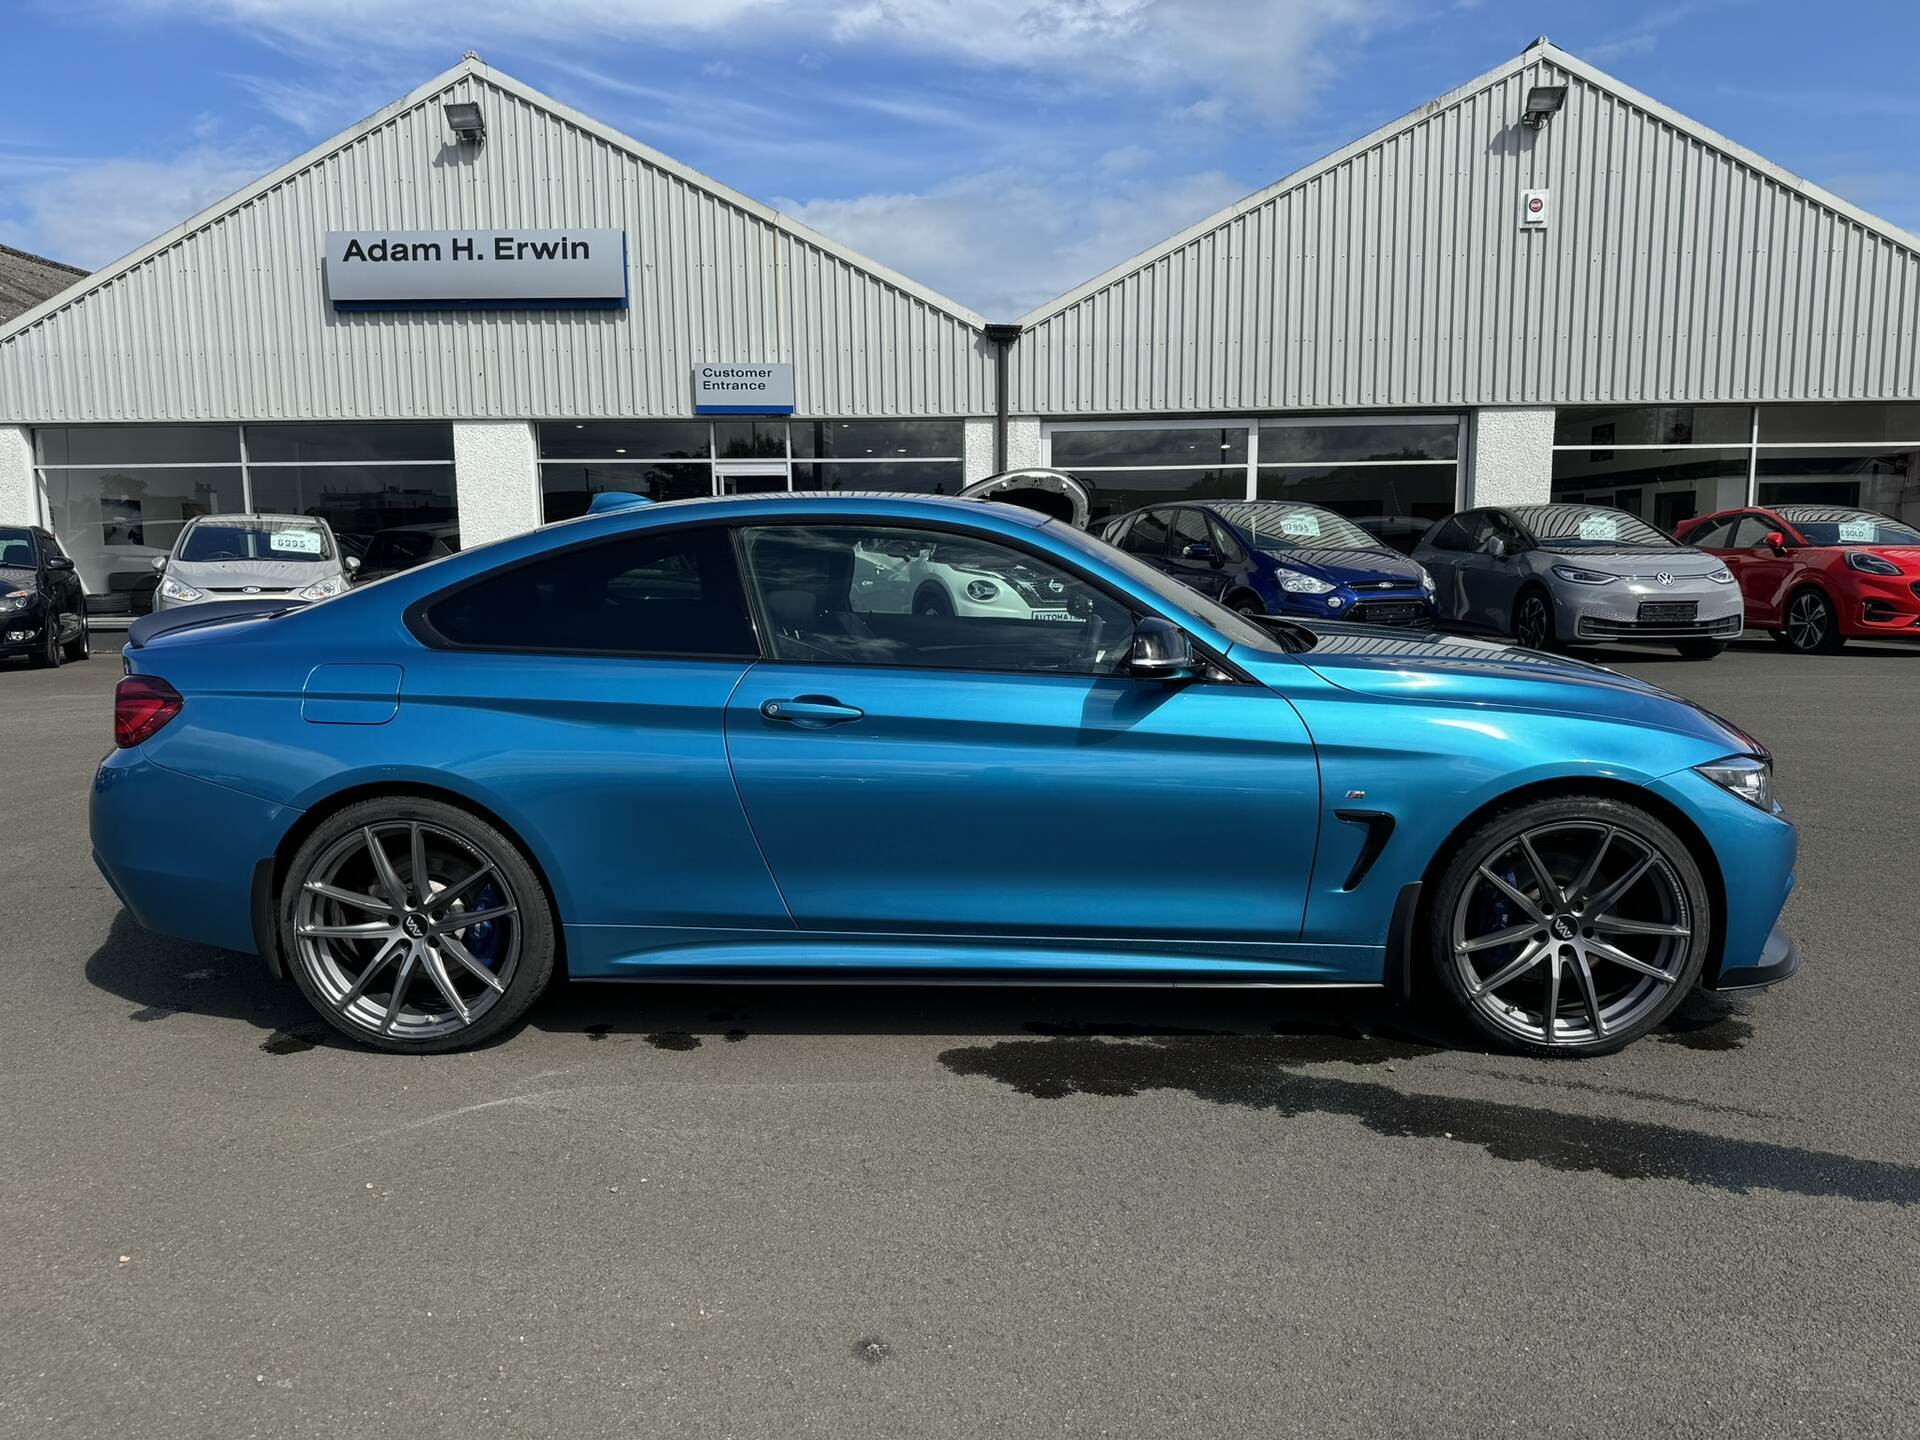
1578,575
247,557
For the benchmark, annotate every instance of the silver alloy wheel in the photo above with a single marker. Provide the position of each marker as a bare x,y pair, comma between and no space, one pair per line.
1571,932
1807,621
411,951
1530,626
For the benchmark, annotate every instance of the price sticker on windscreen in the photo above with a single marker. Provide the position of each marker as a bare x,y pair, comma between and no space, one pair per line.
1300,525
294,542
1599,527
1857,532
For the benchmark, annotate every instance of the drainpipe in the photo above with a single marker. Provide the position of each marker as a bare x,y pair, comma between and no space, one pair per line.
1002,337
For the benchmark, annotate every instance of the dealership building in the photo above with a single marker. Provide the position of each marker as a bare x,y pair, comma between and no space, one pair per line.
478,307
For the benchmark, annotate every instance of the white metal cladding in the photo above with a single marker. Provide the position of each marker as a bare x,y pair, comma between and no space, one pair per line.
227,319
1677,266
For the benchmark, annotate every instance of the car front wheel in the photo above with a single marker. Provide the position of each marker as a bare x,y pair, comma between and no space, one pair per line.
1569,926
414,926
1533,621
1812,628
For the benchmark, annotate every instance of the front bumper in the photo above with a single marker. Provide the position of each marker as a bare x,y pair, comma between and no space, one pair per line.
1779,960
1361,607
1881,606
1643,609
290,597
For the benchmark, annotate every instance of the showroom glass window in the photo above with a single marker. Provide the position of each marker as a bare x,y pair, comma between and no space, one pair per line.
680,459
119,495
659,591
1393,474
902,596
1666,463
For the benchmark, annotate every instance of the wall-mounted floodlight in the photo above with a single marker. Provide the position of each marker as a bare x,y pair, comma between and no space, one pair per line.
464,117
1543,103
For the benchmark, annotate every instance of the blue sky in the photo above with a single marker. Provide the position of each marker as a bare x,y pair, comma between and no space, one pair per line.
1000,151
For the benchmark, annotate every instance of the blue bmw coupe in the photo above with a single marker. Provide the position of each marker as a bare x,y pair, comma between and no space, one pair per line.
721,738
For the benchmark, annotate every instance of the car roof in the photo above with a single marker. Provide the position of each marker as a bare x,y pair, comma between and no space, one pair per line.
244,518
882,502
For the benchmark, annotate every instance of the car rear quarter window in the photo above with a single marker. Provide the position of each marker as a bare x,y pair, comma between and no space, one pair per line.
655,592
1710,537
1750,533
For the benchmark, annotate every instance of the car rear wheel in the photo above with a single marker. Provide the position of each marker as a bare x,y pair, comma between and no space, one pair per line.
1569,926
414,926
1533,621
1812,628
81,647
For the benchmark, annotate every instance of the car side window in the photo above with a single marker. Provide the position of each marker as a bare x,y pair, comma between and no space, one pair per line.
654,592
1750,534
1189,528
899,595
1487,528
1148,537
1711,537
1449,534
1229,548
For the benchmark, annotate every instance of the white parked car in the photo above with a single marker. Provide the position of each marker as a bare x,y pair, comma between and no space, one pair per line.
252,557
904,578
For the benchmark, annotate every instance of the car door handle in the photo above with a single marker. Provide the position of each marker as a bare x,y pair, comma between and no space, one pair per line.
810,710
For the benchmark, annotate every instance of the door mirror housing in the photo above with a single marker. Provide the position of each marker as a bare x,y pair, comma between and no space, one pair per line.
353,563
1162,651
1200,550
59,562
159,562
1777,542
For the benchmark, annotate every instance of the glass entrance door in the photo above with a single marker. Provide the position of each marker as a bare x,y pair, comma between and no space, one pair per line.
750,479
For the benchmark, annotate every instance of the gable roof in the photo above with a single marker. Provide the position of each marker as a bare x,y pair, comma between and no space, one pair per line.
1541,49
26,280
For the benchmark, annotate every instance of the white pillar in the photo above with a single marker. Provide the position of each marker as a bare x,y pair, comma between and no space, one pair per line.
1023,442
979,448
19,498
1510,456
496,479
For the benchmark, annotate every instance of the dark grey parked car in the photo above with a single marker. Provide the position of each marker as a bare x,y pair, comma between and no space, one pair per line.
1578,575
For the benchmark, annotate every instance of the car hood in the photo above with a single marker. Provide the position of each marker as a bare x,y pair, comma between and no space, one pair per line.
1636,564
1465,670
1348,567
267,574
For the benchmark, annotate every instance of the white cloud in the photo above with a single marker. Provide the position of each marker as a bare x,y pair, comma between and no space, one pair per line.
1004,242
95,212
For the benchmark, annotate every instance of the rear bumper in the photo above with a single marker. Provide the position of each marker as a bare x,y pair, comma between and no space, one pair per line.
179,852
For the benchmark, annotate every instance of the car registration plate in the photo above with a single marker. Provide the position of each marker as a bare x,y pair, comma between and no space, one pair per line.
1667,612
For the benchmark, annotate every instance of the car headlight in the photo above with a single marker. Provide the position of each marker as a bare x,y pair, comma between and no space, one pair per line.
324,589
172,589
1744,775
982,590
1583,577
1294,583
1722,576
1870,564
14,600
1426,580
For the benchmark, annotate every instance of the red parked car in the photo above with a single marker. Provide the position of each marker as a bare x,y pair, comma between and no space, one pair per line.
1815,576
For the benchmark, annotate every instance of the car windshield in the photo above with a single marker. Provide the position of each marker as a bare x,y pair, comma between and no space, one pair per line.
16,548
1234,626
1827,525
1590,527
1283,525
216,540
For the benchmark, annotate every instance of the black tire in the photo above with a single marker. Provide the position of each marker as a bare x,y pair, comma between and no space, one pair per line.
81,647
1813,626
1567,833
932,600
48,656
1247,603
1533,620
461,839
1700,649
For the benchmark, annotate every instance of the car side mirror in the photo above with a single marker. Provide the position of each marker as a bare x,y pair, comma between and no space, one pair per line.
59,562
353,563
1202,551
1161,651
159,562
1777,542
1497,548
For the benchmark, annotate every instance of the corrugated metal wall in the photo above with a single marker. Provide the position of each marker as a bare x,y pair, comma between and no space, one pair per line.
232,323
1401,276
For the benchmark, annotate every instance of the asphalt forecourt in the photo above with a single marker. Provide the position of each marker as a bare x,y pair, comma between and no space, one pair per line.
834,1212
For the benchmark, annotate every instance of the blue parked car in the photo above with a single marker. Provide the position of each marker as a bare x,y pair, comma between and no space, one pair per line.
714,739
1279,557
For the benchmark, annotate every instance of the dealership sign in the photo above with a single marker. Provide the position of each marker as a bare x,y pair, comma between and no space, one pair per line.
480,269
743,389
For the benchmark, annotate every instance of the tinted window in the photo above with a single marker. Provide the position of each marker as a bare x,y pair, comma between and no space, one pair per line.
894,595
658,592
1750,534
1148,535
1189,528
1711,537
1448,535
16,549
1224,542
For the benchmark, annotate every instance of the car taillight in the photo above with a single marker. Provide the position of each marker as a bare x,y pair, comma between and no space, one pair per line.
141,705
